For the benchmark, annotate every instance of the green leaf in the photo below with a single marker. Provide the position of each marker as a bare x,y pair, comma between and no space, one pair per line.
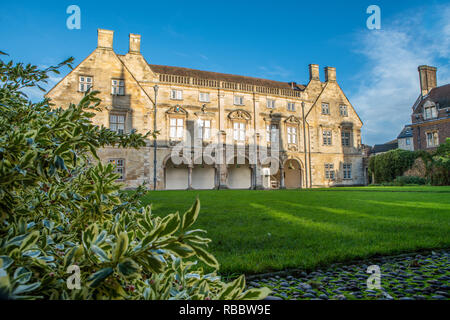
191,215
22,275
206,257
181,249
128,268
99,253
29,241
172,223
26,288
121,246
255,294
5,262
156,265
96,278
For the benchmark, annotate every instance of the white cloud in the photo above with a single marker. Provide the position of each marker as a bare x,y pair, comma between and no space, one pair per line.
389,83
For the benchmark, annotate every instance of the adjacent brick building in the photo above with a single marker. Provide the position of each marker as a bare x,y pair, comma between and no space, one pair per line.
315,125
431,111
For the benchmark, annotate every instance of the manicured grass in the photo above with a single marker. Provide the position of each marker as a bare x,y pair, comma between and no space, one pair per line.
261,231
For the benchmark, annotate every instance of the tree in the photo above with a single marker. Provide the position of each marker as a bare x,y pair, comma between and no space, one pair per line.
65,223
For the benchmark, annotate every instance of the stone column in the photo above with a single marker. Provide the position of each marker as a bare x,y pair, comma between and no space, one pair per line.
282,186
189,178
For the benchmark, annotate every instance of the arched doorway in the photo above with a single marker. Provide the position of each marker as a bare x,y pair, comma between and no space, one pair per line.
203,177
239,175
176,176
292,174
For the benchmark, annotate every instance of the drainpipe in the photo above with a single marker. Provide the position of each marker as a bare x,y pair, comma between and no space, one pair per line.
304,143
154,141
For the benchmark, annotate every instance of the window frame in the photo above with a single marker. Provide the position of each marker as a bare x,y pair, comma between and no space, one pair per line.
239,131
204,93
116,123
120,85
292,104
175,97
327,108
269,128
343,110
85,82
201,129
179,129
329,171
348,139
327,137
347,171
291,134
270,103
241,100
114,161
434,139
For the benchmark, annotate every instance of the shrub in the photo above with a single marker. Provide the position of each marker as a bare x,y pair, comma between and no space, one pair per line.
408,180
62,215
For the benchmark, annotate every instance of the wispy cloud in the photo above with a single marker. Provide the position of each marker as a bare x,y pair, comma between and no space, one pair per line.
390,81
275,71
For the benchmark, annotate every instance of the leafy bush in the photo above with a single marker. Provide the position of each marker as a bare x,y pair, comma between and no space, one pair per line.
62,215
387,166
405,180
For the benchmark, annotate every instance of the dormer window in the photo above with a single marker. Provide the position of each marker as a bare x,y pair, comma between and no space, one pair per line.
430,112
85,83
118,87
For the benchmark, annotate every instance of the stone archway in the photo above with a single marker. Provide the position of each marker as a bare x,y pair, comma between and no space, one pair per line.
176,177
292,174
240,176
203,177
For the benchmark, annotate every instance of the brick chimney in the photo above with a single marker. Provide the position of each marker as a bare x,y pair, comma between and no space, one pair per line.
427,77
330,74
135,43
314,72
105,39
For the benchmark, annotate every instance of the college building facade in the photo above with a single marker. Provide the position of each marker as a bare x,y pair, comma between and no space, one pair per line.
314,128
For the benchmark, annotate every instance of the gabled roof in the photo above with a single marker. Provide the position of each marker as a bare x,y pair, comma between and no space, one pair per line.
406,133
391,145
439,95
187,72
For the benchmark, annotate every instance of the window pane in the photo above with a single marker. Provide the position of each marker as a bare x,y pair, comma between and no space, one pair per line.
179,132
179,122
173,132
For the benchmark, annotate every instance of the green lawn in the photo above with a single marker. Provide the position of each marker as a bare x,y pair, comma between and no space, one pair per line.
260,231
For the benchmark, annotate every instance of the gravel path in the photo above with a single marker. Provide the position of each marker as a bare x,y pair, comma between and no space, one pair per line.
403,277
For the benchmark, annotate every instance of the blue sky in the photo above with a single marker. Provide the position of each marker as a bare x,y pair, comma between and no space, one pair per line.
377,69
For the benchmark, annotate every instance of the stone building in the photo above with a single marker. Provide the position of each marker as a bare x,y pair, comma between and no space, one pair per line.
316,129
405,139
431,111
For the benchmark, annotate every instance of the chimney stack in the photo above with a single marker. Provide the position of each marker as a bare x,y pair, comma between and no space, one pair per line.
105,39
314,72
427,76
330,74
135,43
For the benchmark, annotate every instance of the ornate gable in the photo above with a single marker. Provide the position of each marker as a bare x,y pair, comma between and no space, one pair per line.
239,114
